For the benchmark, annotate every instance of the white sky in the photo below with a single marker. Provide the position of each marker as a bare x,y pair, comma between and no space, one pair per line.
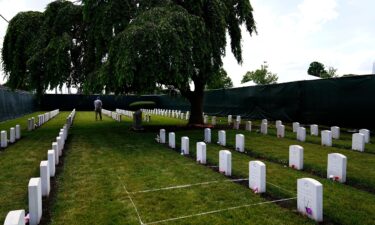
291,34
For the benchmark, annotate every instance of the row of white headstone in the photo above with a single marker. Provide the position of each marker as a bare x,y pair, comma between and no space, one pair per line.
126,113
14,135
309,191
39,187
42,119
177,114
114,115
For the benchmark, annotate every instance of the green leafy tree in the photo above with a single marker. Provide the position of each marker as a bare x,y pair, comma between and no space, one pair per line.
316,69
260,76
126,46
220,81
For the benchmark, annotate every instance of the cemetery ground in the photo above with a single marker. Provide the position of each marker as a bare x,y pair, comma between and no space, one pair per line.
112,175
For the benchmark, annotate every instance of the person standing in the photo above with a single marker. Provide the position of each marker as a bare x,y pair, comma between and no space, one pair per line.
98,108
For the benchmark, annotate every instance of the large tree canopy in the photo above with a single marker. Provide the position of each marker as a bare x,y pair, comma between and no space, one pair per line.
127,46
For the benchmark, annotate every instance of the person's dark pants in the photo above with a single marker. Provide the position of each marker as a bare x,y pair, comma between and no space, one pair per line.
98,111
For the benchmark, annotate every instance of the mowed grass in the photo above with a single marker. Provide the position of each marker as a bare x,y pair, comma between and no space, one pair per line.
110,174
20,161
342,204
22,121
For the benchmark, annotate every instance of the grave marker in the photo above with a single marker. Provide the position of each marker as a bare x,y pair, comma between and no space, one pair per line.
296,157
326,137
222,138
257,176
358,142
213,120
162,136
264,128
295,127
280,131
4,139
201,152
55,147
278,123
314,130
264,121
45,178
238,119
301,134
236,125
248,125
51,162
12,135
366,133
229,119
310,198
207,135
335,132
205,119
240,142
225,162
59,144
336,168
16,217
18,132
35,201
172,140
184,146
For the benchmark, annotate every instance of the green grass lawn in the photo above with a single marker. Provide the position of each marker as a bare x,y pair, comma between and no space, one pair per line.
112,175
22,121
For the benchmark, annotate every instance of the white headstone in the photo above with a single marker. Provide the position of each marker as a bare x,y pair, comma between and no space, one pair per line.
238,119
236,125
240,142
296,157
213,120
16,217
264,128
257,176
326,137
172,140
18,132
185,145
366,133
205,119
358,142
301,134
225,162
310,198
295,127
45,178
55,148
162,136
59,143
314,130
222,138
280,131
51,162
264,121
201,152
278,123
336,168
4,139
29,125
248,125
12,135
229,119
207,135
35,200
335,132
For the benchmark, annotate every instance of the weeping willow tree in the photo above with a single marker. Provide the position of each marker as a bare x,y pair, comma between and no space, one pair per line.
45,50
131,46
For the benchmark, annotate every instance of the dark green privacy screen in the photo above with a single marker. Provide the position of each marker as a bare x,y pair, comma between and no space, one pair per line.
347,101
15,103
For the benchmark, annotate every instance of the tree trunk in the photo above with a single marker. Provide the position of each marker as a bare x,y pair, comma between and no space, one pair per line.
196,107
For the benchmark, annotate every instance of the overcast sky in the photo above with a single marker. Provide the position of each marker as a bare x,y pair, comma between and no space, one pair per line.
291,34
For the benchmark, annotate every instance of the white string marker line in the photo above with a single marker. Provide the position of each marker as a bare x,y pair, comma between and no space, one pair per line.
186,186
219,210
280,188
136,210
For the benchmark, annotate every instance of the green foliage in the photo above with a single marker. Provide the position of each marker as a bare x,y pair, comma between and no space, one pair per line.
260,76
142,105
221,80
318,69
